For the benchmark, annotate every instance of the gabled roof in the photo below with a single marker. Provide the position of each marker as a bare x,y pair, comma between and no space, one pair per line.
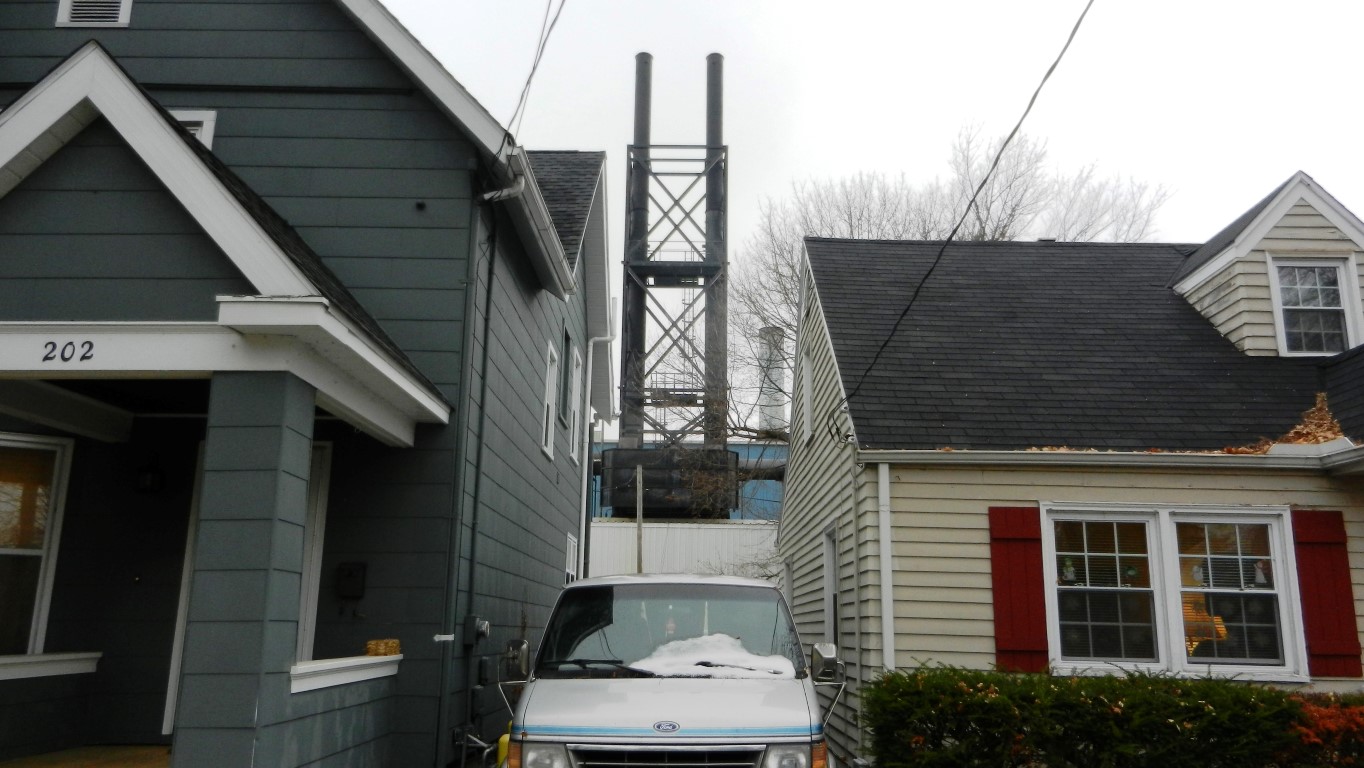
1243,234
568,182
297,296
1030,345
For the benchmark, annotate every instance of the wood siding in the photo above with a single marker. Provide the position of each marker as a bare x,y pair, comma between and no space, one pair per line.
1238,299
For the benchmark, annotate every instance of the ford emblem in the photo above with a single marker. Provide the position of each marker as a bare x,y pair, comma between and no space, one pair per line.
666,726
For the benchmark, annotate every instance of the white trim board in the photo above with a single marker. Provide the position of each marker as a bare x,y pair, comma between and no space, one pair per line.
377,399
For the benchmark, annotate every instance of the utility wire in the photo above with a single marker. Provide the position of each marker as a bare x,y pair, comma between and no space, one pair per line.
832,427
546,28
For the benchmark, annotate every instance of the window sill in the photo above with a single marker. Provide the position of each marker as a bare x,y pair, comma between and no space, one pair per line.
47,665
1231,672
326,673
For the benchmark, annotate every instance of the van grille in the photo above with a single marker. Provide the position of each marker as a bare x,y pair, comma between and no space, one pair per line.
718,757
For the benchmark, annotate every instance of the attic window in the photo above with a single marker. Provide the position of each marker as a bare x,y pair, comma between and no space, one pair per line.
94,13
199,122
1315,299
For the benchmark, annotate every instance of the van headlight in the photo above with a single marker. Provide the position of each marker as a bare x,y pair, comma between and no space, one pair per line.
538,755
787,756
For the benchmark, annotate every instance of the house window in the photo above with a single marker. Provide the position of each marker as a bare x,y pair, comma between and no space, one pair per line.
94,13
550,402
32,479
1314,301
575,406
567,373
199,122
807,398
571,560
831,585
1172,589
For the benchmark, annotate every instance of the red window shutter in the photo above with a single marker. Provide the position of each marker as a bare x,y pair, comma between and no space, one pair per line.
1328,605
1017,583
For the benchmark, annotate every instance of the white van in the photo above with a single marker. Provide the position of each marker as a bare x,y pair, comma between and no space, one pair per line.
670,670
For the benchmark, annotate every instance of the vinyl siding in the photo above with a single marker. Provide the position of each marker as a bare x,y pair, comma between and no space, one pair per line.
1238,299
819,496
943,606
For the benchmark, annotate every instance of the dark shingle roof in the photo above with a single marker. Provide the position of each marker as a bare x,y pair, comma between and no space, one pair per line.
1220,241
1014,345
568,180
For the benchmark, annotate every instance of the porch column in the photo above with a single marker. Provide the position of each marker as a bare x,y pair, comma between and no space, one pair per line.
242,629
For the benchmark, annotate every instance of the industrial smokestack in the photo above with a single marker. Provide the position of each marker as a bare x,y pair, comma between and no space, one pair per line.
772,388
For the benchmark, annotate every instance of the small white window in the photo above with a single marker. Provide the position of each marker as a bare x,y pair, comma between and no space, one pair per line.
1316,303
831,585
94,13
571,560
550,402
199,122
807,399
33,475
575,407
1180,590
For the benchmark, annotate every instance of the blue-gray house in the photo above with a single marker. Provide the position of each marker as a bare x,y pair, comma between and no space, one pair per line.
298,350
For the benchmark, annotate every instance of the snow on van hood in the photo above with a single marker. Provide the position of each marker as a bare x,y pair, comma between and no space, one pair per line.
713,656
644,709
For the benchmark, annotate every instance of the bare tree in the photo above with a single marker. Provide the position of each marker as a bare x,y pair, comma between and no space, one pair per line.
1023,197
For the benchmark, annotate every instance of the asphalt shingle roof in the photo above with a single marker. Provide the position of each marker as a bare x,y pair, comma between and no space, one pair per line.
1220,241
568,180
1014,345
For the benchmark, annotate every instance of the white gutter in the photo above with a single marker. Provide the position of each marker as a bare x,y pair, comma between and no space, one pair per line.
1105,459
585,454
887,568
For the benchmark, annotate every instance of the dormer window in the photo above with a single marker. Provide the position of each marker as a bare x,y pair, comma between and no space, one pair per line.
94,13
1315,302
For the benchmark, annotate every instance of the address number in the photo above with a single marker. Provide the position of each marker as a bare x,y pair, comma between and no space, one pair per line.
54,351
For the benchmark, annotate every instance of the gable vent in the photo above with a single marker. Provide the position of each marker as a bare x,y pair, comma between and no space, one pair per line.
94,13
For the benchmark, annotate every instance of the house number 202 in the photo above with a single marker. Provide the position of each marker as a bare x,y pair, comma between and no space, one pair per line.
71,350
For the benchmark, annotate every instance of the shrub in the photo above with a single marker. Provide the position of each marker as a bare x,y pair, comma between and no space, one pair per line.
955,717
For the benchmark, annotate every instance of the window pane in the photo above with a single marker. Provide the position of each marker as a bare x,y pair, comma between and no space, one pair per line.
1107,624
1099,537
18,593
1070,536
1313,311
1105,606
1234,628
1222,626
1131,538
25,489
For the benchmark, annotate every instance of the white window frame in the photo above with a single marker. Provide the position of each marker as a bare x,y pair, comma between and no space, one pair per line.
548,413
571,560
125,14
829,584
575,407
1160,523
319,481
61,471
807,398
200,122
1347,268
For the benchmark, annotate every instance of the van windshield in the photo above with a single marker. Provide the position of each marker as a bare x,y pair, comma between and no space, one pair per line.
671,630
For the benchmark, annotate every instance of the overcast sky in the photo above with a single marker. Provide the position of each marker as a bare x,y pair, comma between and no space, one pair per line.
1218,100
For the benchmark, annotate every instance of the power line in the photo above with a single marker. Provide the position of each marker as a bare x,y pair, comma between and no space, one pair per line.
546,28
965,212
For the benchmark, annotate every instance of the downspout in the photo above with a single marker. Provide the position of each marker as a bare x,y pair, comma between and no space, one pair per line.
887,569
585,524
450,623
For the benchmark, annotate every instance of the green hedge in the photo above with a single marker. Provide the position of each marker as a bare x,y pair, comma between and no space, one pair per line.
957,717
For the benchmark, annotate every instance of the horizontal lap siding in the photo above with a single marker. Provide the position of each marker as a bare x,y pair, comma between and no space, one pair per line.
93,235
943,602
819,493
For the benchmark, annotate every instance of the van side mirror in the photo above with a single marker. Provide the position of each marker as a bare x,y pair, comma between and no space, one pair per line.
824,664
516,661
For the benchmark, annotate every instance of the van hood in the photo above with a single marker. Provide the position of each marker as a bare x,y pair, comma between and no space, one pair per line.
668,708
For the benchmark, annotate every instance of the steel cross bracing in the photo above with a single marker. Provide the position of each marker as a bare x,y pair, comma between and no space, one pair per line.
676,277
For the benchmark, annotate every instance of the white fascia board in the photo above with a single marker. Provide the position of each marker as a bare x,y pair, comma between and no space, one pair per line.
439,84
197,350
311,320
90,84
531,217
1300,187
52,406
1109,459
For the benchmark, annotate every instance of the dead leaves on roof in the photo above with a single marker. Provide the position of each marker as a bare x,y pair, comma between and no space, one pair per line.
1317,426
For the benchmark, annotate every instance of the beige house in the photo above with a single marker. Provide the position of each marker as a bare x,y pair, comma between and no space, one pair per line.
1085,457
